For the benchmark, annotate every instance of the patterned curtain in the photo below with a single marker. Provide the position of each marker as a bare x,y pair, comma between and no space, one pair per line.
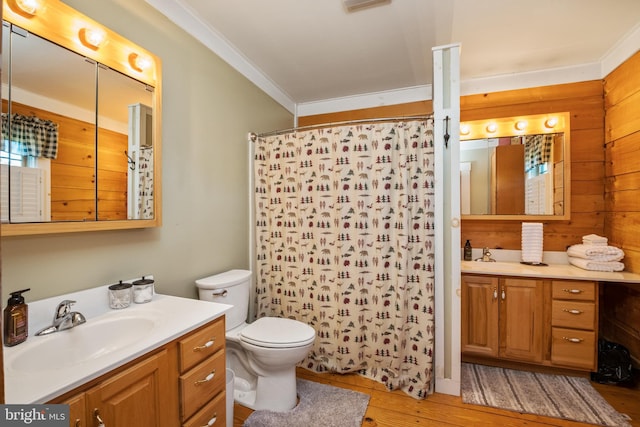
345,240
537,150
33,136
145,186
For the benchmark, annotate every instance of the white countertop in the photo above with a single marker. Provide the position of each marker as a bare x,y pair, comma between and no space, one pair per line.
552,271
176,316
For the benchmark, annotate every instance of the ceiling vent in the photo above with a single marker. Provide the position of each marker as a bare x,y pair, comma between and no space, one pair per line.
353,5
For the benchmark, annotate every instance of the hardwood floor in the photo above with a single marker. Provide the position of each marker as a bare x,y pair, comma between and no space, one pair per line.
396,409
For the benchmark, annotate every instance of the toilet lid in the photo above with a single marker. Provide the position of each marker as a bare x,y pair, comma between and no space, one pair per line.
277,332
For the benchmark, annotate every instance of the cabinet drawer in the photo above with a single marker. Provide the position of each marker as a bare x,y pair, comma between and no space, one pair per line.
213,414
573,348
573,314
566,289
200,345
202,383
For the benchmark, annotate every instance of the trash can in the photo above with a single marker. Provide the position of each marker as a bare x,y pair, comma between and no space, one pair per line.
230,380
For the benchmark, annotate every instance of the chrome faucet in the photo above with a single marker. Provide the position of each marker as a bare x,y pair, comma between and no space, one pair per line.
486,256
63,318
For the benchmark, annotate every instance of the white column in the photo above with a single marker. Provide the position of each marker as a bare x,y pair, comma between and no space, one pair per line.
446,111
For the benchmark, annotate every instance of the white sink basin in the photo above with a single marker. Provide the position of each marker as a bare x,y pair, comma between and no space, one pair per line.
83,343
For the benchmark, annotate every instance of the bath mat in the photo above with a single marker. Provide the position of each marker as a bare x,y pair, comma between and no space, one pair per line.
558,396
319,405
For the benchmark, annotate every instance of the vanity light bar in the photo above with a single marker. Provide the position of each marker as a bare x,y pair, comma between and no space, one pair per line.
513,126
69,28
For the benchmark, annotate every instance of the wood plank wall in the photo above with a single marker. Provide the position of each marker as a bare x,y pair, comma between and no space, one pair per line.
73,172
621,304
584,102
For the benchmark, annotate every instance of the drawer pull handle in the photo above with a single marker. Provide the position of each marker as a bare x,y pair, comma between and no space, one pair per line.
96,414
573,291
205,346
212,421
207,378
573,340
572,311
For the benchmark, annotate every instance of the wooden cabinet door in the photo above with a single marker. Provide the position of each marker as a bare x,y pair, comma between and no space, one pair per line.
521,319
480,315
136,396
77,413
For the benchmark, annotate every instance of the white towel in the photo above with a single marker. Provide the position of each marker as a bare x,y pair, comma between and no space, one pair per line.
596,252
594,239
532,242
586,264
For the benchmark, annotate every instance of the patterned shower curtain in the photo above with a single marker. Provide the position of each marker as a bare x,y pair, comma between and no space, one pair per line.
345,243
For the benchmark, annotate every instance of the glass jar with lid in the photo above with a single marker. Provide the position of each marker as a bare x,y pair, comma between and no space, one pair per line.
143,290
120,295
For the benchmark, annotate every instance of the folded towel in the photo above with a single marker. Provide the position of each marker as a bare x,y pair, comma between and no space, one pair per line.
532,242
586,264
596,252
594,239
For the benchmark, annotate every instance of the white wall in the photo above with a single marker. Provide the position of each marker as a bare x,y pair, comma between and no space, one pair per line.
208,110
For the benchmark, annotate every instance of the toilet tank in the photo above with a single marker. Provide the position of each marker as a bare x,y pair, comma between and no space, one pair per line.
231,287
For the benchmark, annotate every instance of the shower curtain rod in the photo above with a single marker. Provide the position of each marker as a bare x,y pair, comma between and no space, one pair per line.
253,136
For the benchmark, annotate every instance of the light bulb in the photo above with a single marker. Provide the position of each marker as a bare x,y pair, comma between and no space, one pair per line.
521,125
492,128
139,62
92,37
464,129
551,123
28,6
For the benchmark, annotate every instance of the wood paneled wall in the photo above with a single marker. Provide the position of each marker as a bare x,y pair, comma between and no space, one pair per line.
73,172
621,304
622,160
584,101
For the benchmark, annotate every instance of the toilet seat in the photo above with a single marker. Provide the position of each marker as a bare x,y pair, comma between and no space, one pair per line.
277,332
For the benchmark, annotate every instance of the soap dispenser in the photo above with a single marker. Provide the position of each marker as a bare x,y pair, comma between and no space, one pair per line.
16,319
467,251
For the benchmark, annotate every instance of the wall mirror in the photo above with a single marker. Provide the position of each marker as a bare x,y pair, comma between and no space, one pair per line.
80,148
516,168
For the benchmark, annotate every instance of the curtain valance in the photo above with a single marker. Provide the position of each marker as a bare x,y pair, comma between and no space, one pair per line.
29,136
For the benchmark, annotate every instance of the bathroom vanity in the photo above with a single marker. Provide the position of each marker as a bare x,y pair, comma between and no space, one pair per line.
169,371
545,316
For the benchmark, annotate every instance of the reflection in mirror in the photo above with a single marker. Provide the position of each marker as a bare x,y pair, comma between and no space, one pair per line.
125,142
77,135
52,175
518,171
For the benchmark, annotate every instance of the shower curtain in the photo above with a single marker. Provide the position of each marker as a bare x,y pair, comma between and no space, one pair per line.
345,243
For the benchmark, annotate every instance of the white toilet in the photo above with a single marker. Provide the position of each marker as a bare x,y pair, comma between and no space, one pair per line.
263,355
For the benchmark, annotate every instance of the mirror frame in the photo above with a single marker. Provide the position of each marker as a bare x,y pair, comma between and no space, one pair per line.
477,129
63,25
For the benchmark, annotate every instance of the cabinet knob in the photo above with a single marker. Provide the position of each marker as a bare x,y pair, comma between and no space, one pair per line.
573,340
572,311
207,378
205,345
212,421
495,293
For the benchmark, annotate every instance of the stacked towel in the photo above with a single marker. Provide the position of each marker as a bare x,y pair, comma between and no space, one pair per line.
595,254
594,239
532,242
586,264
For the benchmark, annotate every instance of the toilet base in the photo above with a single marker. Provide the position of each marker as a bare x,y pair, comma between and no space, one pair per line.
276,393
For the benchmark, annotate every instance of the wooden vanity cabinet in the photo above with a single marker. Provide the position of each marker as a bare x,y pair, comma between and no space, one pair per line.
536,321
574,324
202,376
502,317
180,384
137,396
